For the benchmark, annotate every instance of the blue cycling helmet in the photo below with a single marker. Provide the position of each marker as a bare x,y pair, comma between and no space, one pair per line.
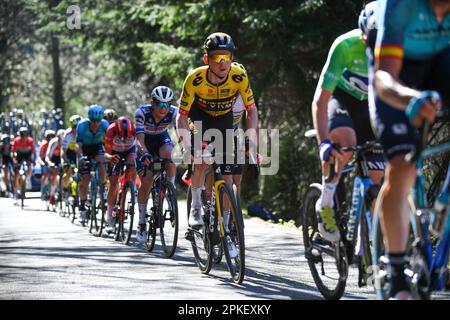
96,112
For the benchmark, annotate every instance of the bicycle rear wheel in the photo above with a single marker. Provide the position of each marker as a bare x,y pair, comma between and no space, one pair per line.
234,234
200,241
126,215
332,277
168,219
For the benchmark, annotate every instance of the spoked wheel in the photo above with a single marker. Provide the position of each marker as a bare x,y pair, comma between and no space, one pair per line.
153,223
98,209
200,241
168,219
233,243
327,261
126,214
365,258
380,267
421,281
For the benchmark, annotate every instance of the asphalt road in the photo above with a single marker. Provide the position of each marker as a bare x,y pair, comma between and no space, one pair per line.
45,256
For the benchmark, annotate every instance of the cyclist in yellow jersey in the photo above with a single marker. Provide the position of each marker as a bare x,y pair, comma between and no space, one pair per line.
208,96
69,149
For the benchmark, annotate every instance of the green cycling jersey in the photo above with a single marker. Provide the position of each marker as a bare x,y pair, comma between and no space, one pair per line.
346,66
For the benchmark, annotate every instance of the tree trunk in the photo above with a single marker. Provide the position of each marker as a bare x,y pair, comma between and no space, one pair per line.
58,93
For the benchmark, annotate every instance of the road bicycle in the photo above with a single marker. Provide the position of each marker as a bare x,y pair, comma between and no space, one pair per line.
163,214
126,200
223,226
329,262
429,238
96,204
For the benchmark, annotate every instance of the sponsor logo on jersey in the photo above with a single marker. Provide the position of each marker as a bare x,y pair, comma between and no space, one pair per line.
197,81
356,81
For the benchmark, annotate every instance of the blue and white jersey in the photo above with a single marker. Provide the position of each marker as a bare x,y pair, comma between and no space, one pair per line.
85,134
146,123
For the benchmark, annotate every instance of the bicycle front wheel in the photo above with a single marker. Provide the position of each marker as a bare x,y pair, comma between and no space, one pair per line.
126,215
168,219
233,243
22,190
200,241
332,277
380,267
98,210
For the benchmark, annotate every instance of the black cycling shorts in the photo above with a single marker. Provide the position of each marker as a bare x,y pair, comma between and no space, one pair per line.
394,129
221,124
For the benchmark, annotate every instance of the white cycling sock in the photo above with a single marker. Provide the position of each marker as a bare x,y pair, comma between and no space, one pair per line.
196,197
327,196
142,209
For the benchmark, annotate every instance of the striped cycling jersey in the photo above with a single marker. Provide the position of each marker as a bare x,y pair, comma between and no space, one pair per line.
54,148
146,123
20,147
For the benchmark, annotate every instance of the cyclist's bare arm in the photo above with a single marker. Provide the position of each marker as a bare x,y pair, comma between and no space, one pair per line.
320,113
140,142
392,91
252,123
183,131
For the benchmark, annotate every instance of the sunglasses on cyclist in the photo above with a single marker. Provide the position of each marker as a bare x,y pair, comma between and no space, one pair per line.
165,105
218,58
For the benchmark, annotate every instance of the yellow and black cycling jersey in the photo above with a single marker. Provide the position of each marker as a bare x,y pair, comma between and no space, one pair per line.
215,100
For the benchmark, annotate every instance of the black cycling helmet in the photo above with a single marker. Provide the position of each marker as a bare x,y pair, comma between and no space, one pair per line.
219,41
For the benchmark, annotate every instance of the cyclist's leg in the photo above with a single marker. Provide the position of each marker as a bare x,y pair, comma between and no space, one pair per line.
53,184
398,138
144,189
131,163
340,126
165,151
83,188
113,176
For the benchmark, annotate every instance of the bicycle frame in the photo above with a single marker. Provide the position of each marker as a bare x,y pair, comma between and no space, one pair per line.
218,180
360,187
420,220
124,177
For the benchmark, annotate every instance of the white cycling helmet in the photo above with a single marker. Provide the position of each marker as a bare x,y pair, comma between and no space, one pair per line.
162,94
60,133
366,20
